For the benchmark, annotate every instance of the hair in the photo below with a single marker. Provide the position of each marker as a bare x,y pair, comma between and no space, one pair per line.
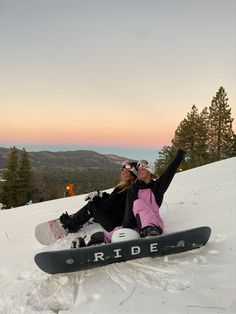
125,185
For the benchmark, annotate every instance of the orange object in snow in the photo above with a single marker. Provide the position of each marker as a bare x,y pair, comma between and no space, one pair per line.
70,189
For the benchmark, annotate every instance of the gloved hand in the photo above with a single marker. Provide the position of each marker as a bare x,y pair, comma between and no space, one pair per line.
91,195
183,152
96,238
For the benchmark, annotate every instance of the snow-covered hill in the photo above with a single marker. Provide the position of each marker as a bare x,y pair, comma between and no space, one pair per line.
200,281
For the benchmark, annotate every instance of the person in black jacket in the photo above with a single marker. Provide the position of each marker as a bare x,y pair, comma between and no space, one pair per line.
107,209
145,197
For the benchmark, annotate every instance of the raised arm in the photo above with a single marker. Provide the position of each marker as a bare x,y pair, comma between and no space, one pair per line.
165,179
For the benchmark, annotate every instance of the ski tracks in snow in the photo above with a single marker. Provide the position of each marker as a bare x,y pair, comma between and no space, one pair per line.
37,292
120,281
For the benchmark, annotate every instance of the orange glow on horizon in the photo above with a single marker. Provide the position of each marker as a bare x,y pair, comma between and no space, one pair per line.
123,137
123,130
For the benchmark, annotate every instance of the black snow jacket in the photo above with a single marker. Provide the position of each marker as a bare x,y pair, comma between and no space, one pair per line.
107,210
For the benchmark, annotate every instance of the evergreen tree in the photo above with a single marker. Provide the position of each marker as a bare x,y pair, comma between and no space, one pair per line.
24,187
233,153
17,185
191,135
9,187
166,154
202,139
206,137
221,135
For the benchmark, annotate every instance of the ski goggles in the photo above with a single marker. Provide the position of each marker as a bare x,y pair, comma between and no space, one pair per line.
131,166
143,164
128,165
149,166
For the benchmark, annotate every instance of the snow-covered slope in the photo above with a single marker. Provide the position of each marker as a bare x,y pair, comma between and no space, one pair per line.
200,281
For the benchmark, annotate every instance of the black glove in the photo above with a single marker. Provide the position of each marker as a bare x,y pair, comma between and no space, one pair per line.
96,238
183,152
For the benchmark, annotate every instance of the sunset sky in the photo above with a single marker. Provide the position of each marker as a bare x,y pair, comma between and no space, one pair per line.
115,74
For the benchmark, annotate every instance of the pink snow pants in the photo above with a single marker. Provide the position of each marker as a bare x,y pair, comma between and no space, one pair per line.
147,209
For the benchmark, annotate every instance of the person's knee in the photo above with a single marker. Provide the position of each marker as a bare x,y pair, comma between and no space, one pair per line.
138,206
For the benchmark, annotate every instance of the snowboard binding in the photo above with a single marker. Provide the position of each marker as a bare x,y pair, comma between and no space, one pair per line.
77,243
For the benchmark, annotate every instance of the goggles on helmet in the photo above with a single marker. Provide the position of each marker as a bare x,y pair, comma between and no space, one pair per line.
143,164
128,165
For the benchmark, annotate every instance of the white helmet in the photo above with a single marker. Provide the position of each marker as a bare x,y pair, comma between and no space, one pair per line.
124,234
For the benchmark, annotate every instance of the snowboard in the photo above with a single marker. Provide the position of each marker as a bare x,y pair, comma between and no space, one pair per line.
71,260
49,232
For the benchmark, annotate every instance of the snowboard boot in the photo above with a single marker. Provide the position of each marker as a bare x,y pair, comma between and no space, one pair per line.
68,223
150,231
77,243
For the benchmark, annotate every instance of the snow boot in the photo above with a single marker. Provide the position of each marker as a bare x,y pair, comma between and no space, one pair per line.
150,231
68,223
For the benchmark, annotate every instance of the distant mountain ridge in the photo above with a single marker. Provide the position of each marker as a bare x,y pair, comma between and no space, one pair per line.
68,159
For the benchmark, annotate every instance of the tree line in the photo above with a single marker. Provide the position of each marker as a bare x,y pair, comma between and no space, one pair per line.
21,183
206,136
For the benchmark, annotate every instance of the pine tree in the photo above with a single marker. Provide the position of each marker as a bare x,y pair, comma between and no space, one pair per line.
24,186
233,152
17,186
221,135
166,154
202,141
9,187
191,135
206,137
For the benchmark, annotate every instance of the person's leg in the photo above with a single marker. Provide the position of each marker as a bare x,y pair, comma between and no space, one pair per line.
72,223
103,218
148,219
145,216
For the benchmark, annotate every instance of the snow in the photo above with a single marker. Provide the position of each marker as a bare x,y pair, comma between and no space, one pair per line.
199,281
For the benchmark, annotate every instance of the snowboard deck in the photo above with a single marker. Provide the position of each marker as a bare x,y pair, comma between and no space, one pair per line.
71,260
49,232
